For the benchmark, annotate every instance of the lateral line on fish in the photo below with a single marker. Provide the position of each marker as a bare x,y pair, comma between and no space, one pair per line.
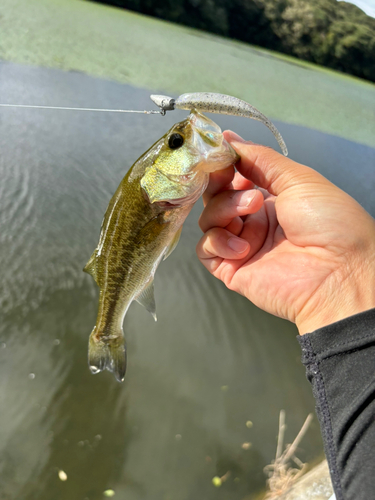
145,112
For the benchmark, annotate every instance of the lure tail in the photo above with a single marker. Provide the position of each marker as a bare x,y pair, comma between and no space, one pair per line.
107,354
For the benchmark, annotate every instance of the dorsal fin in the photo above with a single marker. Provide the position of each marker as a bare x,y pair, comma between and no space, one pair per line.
90,267
173,244
147,299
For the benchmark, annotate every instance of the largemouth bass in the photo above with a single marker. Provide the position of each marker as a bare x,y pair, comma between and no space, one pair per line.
142,225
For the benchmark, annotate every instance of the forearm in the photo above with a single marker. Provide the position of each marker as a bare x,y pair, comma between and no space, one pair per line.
340,364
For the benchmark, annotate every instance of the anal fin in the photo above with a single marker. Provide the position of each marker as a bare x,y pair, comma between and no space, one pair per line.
147,299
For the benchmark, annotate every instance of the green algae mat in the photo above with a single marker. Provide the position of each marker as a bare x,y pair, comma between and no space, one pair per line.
119,45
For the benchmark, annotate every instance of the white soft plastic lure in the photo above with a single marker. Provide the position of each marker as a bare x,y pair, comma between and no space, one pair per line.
218,103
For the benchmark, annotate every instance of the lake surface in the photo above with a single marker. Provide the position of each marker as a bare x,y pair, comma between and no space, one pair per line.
211,363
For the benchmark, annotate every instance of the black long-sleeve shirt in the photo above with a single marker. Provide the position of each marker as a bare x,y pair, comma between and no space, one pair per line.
340,364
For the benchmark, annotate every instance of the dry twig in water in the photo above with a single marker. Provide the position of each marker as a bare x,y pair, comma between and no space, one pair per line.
281,475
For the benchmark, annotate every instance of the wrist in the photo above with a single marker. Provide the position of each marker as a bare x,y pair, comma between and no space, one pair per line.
345,294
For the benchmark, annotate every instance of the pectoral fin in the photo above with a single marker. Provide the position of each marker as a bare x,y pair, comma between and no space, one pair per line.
90,267
173,244
147,299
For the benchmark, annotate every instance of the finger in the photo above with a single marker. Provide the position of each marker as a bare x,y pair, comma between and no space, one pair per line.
268,168
226,206
219,181
235,226
231,136
240,183
220,243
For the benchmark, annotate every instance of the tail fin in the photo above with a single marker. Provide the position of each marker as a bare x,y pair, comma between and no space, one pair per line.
109,354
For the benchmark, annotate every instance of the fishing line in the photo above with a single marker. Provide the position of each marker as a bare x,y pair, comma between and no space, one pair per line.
153,112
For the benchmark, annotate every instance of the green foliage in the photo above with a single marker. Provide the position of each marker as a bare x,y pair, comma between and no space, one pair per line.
331,33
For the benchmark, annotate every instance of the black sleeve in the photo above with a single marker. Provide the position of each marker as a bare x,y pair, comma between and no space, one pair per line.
340,364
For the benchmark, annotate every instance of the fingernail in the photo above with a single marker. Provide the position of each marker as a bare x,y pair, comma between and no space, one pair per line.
234,137
244,199
238,245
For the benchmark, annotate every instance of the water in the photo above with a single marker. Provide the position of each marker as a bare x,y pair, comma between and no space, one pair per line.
210,364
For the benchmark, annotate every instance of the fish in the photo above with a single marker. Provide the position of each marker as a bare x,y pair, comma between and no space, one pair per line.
142,226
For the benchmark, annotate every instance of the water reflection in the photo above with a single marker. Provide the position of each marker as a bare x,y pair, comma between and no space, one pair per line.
211,363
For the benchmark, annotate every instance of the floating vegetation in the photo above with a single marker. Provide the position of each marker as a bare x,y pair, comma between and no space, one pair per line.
218,481
62,475
109,493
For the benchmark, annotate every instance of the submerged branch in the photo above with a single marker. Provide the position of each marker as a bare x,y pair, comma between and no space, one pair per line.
281,475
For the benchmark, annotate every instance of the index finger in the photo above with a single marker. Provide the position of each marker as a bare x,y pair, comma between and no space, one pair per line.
269,169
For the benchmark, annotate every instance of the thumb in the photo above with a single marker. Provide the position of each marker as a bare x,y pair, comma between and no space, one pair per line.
269,169
231,136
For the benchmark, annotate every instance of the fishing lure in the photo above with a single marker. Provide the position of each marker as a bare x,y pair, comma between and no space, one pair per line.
218,103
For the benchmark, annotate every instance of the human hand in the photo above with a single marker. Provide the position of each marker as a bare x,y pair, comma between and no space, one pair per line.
305,249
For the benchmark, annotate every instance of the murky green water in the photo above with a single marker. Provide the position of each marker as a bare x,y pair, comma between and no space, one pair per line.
211,363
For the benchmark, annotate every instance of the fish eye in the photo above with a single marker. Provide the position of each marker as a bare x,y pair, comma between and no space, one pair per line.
175,141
